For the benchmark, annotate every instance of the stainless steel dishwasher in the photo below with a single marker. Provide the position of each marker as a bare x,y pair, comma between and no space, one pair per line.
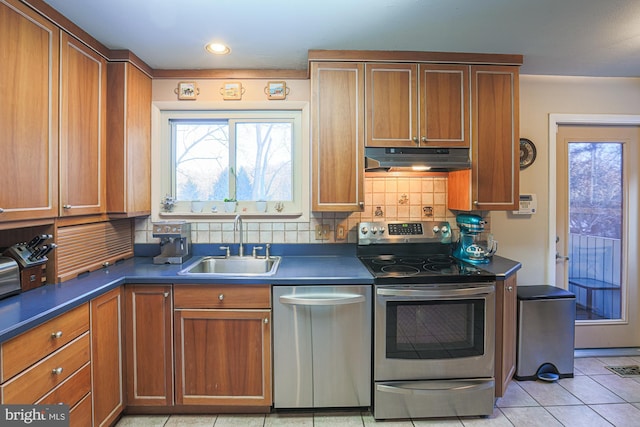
322,346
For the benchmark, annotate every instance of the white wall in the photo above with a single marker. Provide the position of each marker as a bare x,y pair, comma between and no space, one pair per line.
525,238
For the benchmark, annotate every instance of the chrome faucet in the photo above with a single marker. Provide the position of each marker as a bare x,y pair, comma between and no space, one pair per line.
237,225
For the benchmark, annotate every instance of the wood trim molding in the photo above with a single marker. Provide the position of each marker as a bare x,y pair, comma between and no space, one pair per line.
231,74
415,56
67,25
124,55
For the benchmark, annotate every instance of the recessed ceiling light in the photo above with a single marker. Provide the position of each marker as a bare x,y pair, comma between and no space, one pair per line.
217,48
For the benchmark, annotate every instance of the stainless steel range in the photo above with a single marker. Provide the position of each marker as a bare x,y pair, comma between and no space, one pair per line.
433,323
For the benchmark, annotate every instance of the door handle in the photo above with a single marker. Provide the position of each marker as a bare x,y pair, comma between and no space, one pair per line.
561,257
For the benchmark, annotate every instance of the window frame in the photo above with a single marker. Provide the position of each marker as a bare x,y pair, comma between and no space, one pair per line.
296,210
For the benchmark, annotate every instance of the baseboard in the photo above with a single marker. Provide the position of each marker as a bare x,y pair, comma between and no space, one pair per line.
606,352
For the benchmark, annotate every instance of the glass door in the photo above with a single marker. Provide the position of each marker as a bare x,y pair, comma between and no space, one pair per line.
597,195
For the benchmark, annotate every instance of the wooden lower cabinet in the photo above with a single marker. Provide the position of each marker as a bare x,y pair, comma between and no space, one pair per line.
80,414
106,357
223,354
506,328
223,357
148,333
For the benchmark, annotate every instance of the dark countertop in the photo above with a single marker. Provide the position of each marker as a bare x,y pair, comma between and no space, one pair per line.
501,267
24,311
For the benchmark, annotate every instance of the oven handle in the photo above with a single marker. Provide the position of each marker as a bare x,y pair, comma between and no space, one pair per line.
436,387
322,299
437,293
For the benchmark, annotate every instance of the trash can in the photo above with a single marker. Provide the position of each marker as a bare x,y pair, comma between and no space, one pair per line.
546,333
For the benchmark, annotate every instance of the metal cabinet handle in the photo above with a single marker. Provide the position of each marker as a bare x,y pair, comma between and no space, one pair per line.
57,371
266,320
57,334
166,294
415,139
66,206
1,210
423,139
221,297
510,288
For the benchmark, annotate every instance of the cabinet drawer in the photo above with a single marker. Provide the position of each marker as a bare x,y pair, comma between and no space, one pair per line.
72,390
33,383
80,415
24,350
222,296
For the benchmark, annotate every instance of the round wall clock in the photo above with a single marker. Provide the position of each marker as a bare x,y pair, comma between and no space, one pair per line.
527,153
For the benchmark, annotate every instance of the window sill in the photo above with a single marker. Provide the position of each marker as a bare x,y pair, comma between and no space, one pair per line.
224,215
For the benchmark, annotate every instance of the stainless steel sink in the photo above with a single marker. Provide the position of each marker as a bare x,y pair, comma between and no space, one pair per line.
233,266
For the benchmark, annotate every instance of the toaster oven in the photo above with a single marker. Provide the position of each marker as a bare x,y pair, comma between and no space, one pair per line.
9,277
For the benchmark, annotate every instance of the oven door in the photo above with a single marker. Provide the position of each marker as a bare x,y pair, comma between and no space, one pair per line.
438,331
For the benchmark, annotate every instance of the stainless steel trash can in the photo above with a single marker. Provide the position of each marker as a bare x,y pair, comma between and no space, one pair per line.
546,333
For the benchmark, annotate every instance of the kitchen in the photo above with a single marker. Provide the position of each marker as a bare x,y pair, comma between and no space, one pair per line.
603,95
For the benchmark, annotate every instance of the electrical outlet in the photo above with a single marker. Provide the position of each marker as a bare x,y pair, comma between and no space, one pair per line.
321,233
325,232
341,232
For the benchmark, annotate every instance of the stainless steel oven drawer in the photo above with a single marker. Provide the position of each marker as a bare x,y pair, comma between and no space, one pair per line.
426,399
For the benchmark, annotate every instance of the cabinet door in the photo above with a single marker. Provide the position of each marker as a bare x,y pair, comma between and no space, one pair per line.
128,140
337,136
392,112
106,357
148,348
28,113
495,158
493,181
444,105
223,357
82,129
506,325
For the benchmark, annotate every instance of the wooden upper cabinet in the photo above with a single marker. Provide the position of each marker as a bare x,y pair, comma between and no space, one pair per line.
392,107
493,181
337,138
28,113
417,105
128,140
83,77
444,105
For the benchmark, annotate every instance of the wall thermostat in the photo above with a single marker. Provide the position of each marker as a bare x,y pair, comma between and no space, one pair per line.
528,205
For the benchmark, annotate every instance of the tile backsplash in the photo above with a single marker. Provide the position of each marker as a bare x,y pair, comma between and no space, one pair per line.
389,198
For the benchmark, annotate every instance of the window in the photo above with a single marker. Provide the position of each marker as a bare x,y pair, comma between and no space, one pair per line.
243,155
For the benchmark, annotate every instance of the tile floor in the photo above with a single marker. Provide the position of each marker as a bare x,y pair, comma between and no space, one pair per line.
594,397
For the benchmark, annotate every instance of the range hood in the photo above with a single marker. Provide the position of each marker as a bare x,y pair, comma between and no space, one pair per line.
421,159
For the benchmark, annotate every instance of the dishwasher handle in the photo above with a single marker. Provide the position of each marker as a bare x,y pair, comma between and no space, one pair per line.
322,299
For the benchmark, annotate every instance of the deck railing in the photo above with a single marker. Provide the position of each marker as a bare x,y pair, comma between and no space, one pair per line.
595,275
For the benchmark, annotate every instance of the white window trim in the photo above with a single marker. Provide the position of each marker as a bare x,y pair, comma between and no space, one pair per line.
160,159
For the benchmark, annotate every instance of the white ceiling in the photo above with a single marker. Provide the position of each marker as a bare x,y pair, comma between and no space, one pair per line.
563,37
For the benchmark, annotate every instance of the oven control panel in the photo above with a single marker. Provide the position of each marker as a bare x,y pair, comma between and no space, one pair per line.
382,232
